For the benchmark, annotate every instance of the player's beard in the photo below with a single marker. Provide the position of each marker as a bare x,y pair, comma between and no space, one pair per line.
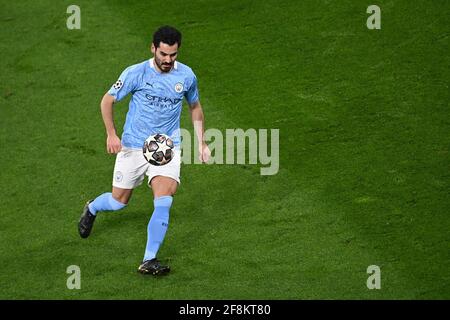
164,67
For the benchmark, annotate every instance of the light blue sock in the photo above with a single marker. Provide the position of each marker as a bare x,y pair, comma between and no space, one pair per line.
105,202
157,226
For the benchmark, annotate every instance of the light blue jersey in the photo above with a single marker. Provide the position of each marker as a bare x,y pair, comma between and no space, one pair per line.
156,102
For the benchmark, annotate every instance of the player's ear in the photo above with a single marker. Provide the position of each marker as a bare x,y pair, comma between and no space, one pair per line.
153,48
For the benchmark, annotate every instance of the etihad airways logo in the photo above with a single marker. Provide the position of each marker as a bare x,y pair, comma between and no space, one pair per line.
162,101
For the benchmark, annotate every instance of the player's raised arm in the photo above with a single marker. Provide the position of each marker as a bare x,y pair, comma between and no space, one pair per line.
198,120
113,143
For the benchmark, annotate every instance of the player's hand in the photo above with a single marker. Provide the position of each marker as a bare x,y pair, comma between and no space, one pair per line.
204,153
113,144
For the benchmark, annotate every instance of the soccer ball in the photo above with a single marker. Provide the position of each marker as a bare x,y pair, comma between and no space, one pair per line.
157,149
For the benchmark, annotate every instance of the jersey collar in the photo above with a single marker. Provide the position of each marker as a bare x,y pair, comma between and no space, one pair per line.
175,65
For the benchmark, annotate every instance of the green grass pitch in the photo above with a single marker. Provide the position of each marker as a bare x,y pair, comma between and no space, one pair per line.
364,151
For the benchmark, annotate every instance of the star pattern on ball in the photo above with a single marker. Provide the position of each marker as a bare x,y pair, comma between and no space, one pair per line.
148,154
157,149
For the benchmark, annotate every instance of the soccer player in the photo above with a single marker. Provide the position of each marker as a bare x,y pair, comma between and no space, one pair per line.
158,87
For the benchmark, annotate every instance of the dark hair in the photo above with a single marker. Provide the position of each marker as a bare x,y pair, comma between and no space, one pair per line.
168,35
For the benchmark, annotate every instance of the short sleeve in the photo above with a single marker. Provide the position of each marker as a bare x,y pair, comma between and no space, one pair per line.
191,94
126,83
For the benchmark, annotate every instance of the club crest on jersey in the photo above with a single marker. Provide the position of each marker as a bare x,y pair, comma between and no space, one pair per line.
118,84
178,87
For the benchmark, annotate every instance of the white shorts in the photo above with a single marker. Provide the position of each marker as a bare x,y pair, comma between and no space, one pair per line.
131,167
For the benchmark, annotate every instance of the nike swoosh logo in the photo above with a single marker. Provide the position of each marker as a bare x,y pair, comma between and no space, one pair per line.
149,84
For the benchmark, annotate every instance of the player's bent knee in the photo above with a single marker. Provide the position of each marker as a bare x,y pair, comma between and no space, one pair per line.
121,195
